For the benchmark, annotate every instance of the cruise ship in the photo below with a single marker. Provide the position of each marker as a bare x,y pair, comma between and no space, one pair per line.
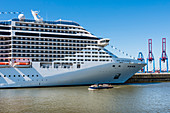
38,53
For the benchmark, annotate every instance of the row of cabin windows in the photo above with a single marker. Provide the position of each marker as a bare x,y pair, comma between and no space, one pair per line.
54,51
5,43
22,59
63,52
5,28
4,55
47,26
54,40
4,47
4,51
37,55
14,59
47,30
59,44
131,66
48,49
95,56
4,60
5,39
80,60
57,48
92,52
31,51
43,60
45,47
69,60
57,66
18,75
53,44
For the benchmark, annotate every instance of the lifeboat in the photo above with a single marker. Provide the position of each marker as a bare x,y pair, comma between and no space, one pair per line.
22,64
4,64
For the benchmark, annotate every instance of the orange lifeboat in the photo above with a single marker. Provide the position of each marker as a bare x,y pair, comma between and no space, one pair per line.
21,64
4,64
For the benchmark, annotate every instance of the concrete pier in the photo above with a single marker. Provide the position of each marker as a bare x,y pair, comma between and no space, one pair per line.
149,77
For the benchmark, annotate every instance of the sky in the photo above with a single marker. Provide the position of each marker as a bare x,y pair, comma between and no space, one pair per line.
127,23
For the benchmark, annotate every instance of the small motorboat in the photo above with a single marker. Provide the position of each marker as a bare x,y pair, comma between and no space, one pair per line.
100,86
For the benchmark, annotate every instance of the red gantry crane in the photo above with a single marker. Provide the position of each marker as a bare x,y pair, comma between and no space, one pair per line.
164,56
150,58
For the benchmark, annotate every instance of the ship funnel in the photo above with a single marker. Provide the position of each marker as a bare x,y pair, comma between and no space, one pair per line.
36,16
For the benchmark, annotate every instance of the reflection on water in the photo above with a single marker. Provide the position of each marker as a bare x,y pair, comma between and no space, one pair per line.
122,98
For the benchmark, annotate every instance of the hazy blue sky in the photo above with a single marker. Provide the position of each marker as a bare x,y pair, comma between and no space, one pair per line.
128,23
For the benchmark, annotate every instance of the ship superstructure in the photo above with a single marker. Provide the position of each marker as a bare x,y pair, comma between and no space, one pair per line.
51,53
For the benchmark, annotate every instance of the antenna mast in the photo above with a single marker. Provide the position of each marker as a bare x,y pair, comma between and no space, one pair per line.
36,16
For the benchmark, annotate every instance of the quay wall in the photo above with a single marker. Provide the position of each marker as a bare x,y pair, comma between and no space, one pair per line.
149,77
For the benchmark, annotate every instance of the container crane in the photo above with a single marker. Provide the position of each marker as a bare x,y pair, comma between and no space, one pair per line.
141,58
150,58
164,57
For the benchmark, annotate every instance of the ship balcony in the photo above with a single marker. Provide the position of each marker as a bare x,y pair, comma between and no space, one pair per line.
5,45
5,41
5,49
4,53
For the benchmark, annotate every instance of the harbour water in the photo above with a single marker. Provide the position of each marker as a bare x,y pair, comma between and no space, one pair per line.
154,97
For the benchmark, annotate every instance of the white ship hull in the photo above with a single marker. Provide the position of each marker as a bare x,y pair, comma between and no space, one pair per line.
103,73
